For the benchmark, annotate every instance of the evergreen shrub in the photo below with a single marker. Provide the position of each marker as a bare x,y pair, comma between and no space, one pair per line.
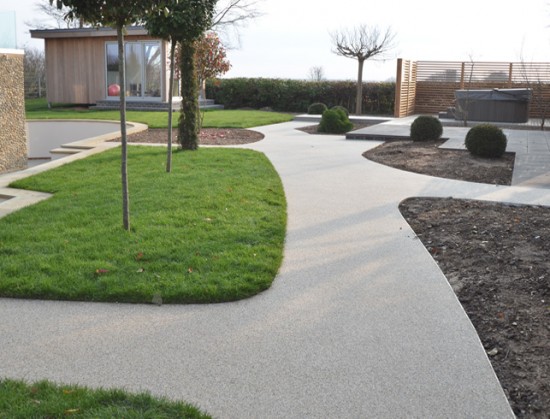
335,121
486,140
426,128
342,108
316,108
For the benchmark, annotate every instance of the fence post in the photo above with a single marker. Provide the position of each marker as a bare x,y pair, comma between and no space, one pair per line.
398,85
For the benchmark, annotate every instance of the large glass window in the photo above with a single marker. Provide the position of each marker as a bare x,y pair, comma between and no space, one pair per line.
153,69
112,69
143,69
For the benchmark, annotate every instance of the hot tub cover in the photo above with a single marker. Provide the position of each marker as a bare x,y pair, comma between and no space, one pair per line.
514,95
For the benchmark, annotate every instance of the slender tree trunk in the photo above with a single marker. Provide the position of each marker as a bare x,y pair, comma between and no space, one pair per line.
170,106
203,89
188,128
124,139
359,97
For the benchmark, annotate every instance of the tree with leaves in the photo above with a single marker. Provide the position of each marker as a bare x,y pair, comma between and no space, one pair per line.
184,23
362,43
119,15
210,59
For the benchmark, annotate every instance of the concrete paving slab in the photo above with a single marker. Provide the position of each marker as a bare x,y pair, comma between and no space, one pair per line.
533,170
45,135
60,142
360,321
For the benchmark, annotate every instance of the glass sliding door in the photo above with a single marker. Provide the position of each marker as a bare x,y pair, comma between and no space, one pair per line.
134,69
143,69
153,69
111,58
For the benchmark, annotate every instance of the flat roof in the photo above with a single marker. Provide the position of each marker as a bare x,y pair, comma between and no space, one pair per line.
85,32
9,51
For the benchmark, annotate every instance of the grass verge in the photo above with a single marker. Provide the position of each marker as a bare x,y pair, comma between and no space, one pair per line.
38,109
19,400
210,231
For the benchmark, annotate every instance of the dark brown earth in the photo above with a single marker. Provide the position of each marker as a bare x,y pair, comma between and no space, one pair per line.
313,129
427,158
208,136
495,257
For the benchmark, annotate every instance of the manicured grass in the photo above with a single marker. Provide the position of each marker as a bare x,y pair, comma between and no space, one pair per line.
19,400
210,231
243,119
38,109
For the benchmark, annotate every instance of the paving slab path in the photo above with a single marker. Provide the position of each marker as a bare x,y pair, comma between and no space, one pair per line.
360,322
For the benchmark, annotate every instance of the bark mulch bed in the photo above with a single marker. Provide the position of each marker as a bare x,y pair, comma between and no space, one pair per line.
208,136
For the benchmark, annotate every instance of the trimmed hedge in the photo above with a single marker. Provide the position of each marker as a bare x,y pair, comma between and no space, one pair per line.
426,128
335,121
486,140
338,107
296,95
316,108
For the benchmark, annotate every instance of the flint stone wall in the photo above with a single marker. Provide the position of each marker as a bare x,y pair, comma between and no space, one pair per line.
13,138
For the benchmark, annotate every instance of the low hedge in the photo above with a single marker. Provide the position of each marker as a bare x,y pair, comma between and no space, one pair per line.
288,95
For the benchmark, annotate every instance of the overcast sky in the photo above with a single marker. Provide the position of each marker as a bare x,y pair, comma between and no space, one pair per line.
294,35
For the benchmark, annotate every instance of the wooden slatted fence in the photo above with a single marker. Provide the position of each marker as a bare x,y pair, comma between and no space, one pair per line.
427,87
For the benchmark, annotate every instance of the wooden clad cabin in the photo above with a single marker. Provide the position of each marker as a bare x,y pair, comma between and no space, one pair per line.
82,65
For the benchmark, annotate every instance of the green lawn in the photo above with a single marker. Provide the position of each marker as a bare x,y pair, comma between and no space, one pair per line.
38,109
211,231
19,400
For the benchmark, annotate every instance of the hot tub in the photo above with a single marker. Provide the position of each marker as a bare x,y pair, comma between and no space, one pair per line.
493,105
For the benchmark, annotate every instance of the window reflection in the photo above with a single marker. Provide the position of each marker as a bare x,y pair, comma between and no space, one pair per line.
152,70
143,69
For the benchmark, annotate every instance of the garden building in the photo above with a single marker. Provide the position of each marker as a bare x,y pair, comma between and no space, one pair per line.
82,67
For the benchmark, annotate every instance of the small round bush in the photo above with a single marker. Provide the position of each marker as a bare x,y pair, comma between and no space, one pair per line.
316,108
426,128
335,121
341,108
486,140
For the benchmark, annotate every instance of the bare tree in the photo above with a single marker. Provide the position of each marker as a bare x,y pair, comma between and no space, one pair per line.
362,43
35,72
57,17
232,15
463,105
537,81
316,73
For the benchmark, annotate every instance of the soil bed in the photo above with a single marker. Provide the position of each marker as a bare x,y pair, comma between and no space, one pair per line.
208,136
429,159
314,129
495,256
